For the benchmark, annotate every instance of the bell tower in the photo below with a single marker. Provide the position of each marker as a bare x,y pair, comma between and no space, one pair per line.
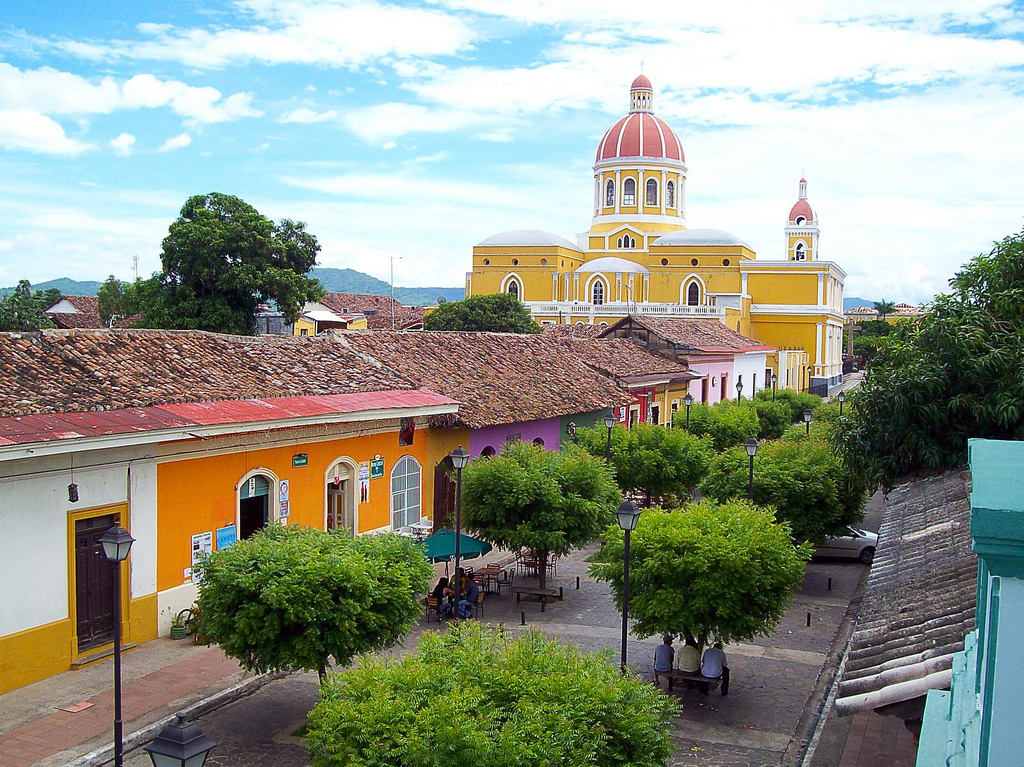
802,229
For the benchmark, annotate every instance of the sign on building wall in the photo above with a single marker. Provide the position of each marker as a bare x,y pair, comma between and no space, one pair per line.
202,548
226,537
364,481
300,459
376,467
284,502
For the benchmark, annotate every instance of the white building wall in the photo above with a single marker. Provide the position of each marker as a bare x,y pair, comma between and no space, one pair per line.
749,365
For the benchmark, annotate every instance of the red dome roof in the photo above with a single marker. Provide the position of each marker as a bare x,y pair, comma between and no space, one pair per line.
802,208
641,82
640,134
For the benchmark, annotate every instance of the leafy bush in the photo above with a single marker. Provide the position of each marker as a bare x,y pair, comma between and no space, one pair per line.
493,312
711,570
772,418
657,462
477,697
798,401
727,423
289,598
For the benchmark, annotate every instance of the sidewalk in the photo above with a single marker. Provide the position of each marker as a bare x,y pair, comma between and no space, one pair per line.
61,718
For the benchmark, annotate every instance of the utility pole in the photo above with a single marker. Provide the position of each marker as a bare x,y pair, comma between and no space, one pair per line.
135,266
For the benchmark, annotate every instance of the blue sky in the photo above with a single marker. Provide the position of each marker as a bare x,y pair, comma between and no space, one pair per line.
415,130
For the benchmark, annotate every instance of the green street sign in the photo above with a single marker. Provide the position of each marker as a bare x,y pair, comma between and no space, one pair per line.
300,459
377,468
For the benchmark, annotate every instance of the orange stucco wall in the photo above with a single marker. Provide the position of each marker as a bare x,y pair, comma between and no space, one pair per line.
198,495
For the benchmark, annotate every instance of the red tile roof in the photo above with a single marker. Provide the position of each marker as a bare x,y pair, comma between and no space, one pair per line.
378,310
627,361
498,378
699,335
575,330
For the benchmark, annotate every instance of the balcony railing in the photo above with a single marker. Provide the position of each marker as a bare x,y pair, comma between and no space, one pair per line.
620,309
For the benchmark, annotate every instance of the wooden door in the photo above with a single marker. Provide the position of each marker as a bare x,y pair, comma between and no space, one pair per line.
444,493
94,583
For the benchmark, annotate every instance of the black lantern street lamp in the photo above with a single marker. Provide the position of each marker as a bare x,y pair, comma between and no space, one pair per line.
116,545
739,390
842,399
775,381
688,400
627,514
751,445
180,744
808,415
609,423
460,459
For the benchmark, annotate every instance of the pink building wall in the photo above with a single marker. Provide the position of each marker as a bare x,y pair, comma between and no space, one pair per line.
712,368
548,430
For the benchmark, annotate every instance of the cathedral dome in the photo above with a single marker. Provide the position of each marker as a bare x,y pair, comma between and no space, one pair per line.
640,133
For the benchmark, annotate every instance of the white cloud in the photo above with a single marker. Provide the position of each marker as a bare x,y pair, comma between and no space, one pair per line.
383,122
30,131
307,116
175,142
123,144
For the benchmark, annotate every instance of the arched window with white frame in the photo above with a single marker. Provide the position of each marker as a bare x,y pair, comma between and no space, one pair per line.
693,294
651,194
597,292
513,289
609,194
256,498
406,492
513,285
629,192
800,251
670,194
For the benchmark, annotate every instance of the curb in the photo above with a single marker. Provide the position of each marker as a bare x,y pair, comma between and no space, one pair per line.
139,737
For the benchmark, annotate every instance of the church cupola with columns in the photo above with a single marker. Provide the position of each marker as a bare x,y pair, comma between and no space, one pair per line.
639,179
802,229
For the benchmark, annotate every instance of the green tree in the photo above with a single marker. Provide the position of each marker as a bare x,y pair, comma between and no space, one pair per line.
773,418
727,423
661,464
289,598
222,259
550,502
809,487
798,401
475,696
495,312
954,373
25,310
884,309
117,300
726,571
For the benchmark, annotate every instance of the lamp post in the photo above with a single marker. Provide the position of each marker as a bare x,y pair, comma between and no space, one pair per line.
609,423
179,744
688,400
810,371
116,545
751,445
842,399
460,458
808,415
739,390
627,514
775,381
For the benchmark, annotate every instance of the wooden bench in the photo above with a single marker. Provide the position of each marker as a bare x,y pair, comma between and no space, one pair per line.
705,683
543,594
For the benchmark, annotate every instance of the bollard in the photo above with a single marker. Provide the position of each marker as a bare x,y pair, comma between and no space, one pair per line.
829,584
561,595
577,583
808,619
543,603
522,617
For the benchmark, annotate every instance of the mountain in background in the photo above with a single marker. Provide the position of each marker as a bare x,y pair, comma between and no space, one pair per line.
855,303
333,280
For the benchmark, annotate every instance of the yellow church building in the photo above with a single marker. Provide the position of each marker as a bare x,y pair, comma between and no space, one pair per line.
639,257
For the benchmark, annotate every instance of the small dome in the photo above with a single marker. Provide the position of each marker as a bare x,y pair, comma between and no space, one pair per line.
802,208
613,264
699,237
526,237
641,82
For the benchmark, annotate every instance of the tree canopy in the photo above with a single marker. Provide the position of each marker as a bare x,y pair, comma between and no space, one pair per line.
728,423
884,309
25,309
290,598
117,300
660,464
476,696
221,260
726,571
494,312
550,502
952,374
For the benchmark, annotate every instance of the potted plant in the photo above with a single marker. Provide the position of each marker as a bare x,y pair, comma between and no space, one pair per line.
178,628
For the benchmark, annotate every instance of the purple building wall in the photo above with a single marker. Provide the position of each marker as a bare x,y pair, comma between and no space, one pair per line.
713,369
548,430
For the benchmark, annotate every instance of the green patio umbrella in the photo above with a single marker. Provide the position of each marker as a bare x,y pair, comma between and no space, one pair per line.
440,547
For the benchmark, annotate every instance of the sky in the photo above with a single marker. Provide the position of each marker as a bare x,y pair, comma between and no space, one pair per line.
403,133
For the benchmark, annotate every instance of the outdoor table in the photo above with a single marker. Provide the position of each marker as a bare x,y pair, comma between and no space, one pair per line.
488,577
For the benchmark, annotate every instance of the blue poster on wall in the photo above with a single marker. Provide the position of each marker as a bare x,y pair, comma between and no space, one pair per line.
225,537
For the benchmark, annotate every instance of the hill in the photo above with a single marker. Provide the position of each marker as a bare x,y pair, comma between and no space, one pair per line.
855,303
66,286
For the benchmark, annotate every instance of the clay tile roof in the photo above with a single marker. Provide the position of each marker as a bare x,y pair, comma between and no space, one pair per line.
576,330
76,320
498,378
626,360
61,371
378,310
919,602
84,304
701,335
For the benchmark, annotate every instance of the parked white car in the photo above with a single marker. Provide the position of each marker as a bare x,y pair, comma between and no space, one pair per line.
854,544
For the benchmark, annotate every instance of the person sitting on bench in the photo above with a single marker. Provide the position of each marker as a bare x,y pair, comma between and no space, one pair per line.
664,654
714,665
689,657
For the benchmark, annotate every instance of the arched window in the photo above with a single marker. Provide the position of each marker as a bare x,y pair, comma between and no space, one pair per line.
800,220
800,252
538,441
693,294
487,452
253,504
651,196
629,192
405,492
513,288
598,292
670,194
609,194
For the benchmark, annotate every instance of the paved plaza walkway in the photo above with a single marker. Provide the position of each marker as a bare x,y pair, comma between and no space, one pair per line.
777,693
